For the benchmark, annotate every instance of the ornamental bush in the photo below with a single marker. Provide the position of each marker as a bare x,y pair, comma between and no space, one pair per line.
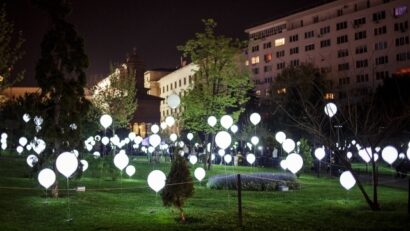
254,182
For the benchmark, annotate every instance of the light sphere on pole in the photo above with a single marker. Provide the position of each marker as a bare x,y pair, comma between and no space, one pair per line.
320,153
283,164
105,140
173,101
250,158
173,137
106,121
190,136
226,121
234,128
280,137
330,109
255,140
156,180
31,160
163,125
223,139
67,163
85,165
288,145
347,180
408,153
212,121
46,178
154,140
365,154
132,135
26,118
389,154
23,141
227,158
199,173
170,121
121,160
19,149
349,155
155,128
193,159
294,162
130,170
221,152
255,118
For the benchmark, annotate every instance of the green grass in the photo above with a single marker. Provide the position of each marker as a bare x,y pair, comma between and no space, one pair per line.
320,204
383,168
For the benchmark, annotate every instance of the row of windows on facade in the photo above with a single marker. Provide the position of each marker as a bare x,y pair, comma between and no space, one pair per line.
377,17
169,112
176,84
398,27
401,41
363,78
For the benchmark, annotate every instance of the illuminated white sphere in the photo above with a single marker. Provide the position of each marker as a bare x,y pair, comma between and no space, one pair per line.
408,153
250,158
212,156
26,118
283,164
354,142
19,149
138,139
288,145
28,147
38,146
170,121
88,147
347,180
163,125
226,121
105,140
349,155
181,153
221,152
130,170
181,144
254,140
199,173
106,121
249,145
156,180
132,135
173,101
366,154
96,154
4,146
255,118
76,153
212,121
402,156
115,140
320,153
330,109
223,139
31,160
377,149
190,136
227,158
193,159
173,137
67,163
234,128
46,178
85,165
154,140
23,141
4,136
280,137
97,138
155,128
294,162
375,157
389,154
121,160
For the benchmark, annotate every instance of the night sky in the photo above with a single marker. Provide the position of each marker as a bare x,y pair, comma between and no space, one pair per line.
111,29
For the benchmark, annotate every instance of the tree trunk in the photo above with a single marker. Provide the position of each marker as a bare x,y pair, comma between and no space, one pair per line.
375,175
54,190
182,215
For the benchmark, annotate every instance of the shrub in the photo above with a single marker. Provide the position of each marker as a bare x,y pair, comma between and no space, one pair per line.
254,182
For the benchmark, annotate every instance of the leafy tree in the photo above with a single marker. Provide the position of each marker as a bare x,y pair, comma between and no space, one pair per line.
10,51
179,186
116,96
220,84
61,77
306,152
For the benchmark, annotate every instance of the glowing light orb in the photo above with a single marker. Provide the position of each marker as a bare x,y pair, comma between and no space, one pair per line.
170,121
255,118
349,155
320,153
130,170
389,154
105,140
330,109
227,158
212,121
67,163
105,121
26,118
173,101
250,158
46,178
190,136
163,125
156,180
23,141
121,160
31,160
223,139
254,140
283,164
365,154
199,173
234,128
226,121
85,165
347,180
221,152
155,128
288,145
193,159
96,154
138,139
19,149
154,140
280,137
294,162
173,137
132,135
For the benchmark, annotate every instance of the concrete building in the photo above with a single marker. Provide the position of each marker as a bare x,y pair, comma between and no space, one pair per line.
357,43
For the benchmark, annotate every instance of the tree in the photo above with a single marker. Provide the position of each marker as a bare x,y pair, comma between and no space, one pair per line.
369,122
179,186
220,84
10,51
61,77
116,96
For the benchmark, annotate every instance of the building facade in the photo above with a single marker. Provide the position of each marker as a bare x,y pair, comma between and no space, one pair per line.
356,43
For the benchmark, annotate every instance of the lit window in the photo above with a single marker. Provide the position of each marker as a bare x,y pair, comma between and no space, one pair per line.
281,91
400,11
329,96
247,62
279,42
255,60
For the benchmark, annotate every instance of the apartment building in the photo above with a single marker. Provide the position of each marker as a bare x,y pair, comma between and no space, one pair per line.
356,43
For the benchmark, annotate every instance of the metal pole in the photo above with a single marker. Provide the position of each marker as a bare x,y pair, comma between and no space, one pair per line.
239,187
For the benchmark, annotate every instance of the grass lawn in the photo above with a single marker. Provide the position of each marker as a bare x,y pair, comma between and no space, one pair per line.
320,204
